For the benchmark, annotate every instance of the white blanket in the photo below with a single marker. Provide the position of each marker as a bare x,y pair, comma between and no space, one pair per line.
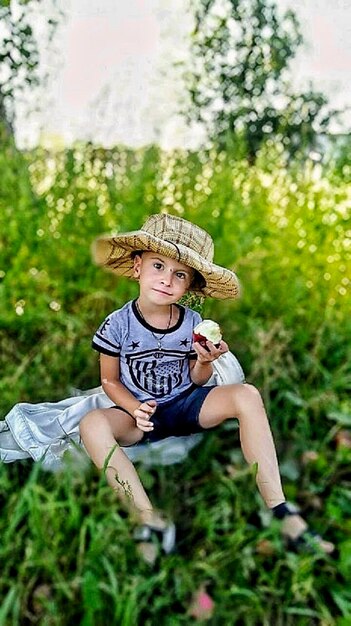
47,430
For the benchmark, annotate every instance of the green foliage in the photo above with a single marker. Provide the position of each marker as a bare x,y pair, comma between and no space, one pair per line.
66,550
238,79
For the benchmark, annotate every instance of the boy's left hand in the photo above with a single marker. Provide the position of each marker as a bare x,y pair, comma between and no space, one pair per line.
143,415
211,352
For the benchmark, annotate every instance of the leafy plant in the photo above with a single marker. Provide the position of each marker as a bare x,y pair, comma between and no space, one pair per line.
238,78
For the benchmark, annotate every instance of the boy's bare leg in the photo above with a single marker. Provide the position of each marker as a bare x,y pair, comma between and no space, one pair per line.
102,432
244,402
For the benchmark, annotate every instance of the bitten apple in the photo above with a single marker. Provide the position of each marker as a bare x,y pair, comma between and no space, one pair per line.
207,330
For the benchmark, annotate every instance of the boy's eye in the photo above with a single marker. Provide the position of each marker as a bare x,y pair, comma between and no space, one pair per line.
181,275
158,266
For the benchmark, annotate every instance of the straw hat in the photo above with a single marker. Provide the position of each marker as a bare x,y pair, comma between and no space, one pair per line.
172,237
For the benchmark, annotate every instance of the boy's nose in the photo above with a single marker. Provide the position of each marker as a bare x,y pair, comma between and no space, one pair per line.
167,277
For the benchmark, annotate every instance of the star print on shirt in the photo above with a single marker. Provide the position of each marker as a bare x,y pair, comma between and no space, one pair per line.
134,344
184,342
103,327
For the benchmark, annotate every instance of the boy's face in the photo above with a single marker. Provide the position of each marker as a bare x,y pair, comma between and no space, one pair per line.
162,280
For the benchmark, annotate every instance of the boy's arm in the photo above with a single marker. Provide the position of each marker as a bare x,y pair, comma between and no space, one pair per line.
200,372
112,386
121,396
201,369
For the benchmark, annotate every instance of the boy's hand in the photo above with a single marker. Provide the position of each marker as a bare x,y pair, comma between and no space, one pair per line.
211,352
143,413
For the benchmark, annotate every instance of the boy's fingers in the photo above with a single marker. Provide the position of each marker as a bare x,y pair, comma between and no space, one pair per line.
148,407
223,346
199,349
145,425
205,352
151,403
210,352
143,414
220,348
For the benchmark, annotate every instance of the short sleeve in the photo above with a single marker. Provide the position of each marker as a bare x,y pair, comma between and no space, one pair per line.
107,337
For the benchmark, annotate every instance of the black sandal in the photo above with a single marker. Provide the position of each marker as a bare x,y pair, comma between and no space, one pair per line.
163,539
309,542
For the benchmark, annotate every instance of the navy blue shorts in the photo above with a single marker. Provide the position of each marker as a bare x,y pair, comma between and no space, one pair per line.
177,417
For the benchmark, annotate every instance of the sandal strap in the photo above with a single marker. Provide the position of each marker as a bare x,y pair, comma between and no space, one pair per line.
284,509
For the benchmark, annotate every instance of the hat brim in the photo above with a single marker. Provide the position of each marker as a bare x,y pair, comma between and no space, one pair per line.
114,253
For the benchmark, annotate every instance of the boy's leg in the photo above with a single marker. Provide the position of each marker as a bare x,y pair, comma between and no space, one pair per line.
244,402
102,432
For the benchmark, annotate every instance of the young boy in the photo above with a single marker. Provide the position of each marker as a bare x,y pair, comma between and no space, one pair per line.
154,373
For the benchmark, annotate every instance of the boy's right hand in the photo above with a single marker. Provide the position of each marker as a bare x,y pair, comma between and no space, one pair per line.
143,413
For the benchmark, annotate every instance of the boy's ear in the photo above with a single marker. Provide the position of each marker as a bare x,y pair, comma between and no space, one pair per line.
137,265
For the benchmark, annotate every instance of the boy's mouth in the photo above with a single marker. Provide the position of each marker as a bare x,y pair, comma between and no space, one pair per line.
164,293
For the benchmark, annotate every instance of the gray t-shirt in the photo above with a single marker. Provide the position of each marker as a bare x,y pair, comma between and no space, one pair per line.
149,372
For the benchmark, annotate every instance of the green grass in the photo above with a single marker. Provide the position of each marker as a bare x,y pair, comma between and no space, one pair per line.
66,553
66,549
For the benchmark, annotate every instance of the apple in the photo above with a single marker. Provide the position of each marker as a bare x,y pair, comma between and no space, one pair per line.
207,330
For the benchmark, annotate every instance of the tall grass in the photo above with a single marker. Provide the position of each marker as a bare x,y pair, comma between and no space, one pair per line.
65,547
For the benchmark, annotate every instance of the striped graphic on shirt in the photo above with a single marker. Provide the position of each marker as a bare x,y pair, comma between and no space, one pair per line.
157,377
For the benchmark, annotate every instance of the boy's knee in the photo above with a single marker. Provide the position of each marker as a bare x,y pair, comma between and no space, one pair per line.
87,421
252,391
247,395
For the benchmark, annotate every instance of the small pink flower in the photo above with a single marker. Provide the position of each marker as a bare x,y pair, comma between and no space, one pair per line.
343,438
202,605
309,456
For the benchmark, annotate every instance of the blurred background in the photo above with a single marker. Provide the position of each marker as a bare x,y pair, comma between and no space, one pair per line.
114,72
234,114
